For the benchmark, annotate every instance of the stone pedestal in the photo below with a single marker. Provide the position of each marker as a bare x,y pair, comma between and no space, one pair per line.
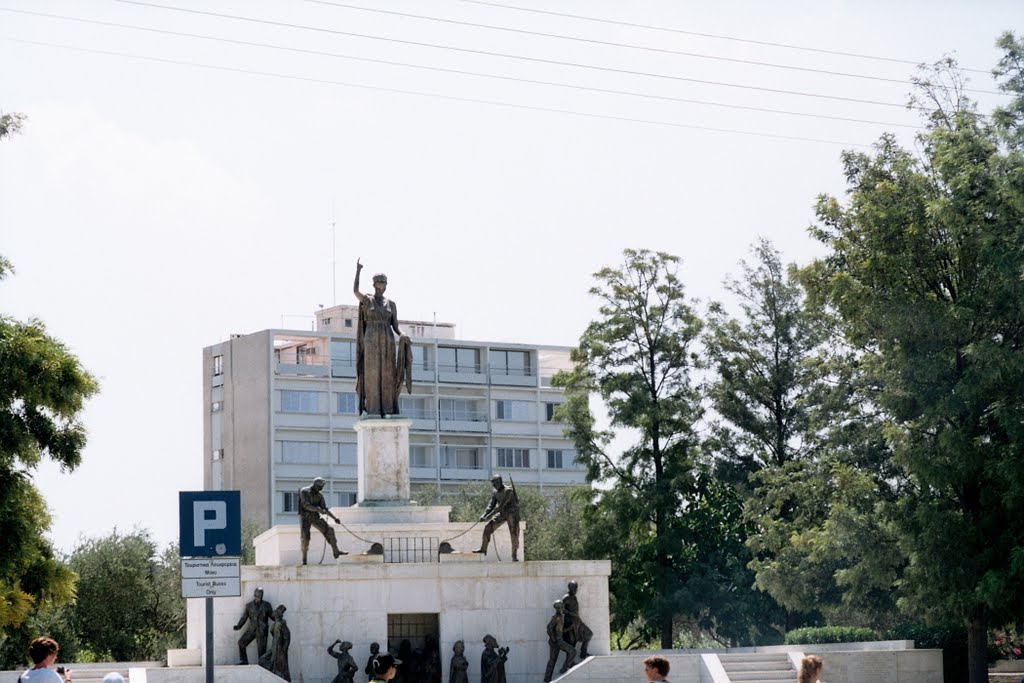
382,451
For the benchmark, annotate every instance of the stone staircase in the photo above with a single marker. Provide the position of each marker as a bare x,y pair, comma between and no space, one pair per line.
758,668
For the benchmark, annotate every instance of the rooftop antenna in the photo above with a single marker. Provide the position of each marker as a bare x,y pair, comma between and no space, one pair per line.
334,258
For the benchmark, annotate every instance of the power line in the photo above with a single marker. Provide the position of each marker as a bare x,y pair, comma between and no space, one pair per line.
453,98
461,72
715,36
514,56
646,48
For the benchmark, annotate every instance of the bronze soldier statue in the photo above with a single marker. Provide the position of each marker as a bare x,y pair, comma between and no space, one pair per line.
504,507
258,613
556,642
576,632
311,506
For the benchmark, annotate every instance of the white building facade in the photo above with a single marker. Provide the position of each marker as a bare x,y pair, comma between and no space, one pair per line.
280,406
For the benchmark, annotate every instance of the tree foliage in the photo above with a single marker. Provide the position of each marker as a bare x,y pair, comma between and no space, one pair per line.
925,267
638,358
129,605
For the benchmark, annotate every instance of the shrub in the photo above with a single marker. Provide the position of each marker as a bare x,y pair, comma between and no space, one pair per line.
823,635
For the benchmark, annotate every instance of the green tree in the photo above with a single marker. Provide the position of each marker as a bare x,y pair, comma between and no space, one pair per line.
129,605
925,270
765,378
795,437
638,358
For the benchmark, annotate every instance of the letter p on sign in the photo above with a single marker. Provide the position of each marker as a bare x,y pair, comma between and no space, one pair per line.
210,523
208,515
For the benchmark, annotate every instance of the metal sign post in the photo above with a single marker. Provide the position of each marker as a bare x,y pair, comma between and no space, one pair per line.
210,546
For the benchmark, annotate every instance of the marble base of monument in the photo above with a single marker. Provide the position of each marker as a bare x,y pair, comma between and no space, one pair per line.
382,457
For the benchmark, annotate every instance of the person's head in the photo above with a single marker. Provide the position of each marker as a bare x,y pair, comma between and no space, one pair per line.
345,646
656,668
258,594
810,669
573,587
490,641
496,481
374,648
113,677
559,605
43,650
319,483
380,283
385,666
459,647
279,612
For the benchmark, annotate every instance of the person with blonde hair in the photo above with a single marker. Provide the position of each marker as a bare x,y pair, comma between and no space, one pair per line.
810,669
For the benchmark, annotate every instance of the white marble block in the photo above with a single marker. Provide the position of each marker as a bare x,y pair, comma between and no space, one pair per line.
382,447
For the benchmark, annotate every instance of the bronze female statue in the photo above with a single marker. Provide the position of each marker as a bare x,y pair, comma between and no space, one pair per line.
379,370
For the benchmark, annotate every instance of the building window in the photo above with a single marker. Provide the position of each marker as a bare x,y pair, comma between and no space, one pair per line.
460,409
416,407
421,455
218,365
462,457
300,401
343,353
459,360
347,453
326,322
511,410
216,406
560,459
549,411
289,501
513,457
343,499
515,363
348,322
419,357
348,403
218,454
302,452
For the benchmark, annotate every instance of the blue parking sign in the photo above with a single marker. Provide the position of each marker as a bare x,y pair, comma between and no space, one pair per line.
210,523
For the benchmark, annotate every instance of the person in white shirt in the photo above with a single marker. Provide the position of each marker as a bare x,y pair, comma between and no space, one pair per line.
43,652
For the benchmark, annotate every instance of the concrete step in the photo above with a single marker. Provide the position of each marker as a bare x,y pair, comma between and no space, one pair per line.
761,676
779,665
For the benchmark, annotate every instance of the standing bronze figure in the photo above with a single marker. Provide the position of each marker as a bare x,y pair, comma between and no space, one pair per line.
311,506
492,661
556,643
347,666
576,632
458,670
379,369
276,659
258,613
504,507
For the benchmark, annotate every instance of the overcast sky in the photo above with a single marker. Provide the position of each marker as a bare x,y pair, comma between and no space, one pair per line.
170,190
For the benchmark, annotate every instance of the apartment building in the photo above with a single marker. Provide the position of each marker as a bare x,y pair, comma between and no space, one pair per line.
280,405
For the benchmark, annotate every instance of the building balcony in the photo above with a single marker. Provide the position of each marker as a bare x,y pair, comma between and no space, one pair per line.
511,377
461,375
464,422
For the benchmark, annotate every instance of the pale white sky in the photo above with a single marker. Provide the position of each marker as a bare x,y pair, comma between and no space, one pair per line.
153,208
